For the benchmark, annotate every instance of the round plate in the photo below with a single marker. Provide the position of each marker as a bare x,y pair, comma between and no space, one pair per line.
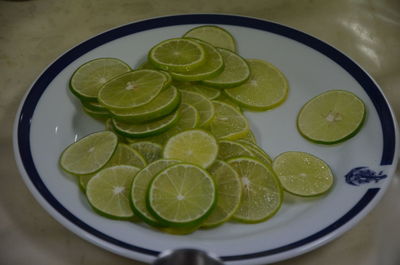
50,118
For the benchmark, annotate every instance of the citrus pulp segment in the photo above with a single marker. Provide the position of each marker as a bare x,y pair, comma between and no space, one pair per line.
214,35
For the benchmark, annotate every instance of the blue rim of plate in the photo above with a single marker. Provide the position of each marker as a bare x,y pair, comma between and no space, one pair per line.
28,107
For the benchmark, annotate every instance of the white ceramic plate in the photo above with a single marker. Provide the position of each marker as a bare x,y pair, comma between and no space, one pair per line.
49,119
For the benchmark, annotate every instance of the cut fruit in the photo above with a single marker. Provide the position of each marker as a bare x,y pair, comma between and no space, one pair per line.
108,191
97,114
93,105
165,102
266,88
140,185
90,153
181,195
123,155
228,122
203,105
303,174
250,137
261,193
229,149
207,91
194,146
331,117
132,89
89,77
213,65
236,71
257,152
177,55
214,35
229,193
155,127
149,150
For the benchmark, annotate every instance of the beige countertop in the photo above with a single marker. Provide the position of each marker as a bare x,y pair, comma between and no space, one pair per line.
34,33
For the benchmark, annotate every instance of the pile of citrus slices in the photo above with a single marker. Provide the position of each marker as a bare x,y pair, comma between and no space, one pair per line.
178,152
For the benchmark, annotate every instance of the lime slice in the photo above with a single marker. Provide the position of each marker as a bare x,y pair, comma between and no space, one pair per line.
182,195
88,78
93,105
165,102
228,122
149,150
236,71
229,149
140,186
213,65
97,114
256,151
147,65
154,127
89,154
123,155
303,174
266,88
207,91
179,230
224,98
177,55
203,105
132,89
331,117
229,193
193,146
261,193
108,191
214,35
249,137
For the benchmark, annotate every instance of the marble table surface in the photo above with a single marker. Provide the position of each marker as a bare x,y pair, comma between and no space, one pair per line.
34,33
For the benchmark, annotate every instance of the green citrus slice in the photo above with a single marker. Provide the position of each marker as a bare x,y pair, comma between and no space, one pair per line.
228,123
257,151
182,195
93,105
331,117
261,193
203,105
108,191
177,55
303,174
236,71
213,65
165,102
97,114
229,149
229,193
149,150
89,77
140,185
214,35
266,88
154,127
207,91
194,146
132,89
89,154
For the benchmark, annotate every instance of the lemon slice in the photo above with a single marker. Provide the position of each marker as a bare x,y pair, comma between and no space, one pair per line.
90,153
149,150
261,192
89,77
331,117
203,105
266,88
214,35
177,55
181,195
194,146
303,174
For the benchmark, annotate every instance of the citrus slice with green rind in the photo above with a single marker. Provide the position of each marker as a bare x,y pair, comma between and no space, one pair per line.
140,185
229,193
165,102
256,151
228,122
214,35
97,114
236,71
193,146
90,153
203,105
181,195
261,192
89,77
132,89
331,117
266,88
177,55
303,174
229,149
149,150
207,91
108,191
